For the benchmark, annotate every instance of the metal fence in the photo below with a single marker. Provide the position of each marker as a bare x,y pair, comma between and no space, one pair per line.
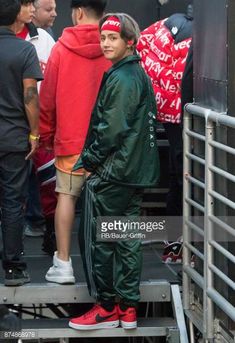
202,298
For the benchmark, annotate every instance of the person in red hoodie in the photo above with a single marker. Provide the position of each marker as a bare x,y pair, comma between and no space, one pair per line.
71,83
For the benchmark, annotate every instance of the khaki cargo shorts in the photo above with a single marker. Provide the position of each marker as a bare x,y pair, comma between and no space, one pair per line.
68,183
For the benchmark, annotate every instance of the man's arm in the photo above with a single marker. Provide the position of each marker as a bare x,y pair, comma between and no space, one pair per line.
32,112
119,101
47,96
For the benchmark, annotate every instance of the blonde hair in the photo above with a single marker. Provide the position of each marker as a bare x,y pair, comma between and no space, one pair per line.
129,27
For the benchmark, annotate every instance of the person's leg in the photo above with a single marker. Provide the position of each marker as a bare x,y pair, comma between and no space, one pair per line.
100,199
127,280
87,230
97,257
14,170
174,197
128,256
46,174
34,219
128,272
68,188
64,220
173,249
49,239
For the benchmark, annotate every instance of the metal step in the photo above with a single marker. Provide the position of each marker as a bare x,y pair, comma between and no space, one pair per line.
57,328
51,293
152,291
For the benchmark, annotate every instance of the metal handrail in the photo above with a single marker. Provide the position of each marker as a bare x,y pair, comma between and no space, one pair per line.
194,250
197,278
224,225
222,199
224,277
195,204
223,147
195,158
206,282
196,181
223,251
223,173
195,135
221,302
194,227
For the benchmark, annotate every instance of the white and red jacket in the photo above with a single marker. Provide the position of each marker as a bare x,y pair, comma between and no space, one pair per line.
163,48
42,42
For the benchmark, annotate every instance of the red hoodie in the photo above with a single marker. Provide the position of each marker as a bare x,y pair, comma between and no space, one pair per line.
71,83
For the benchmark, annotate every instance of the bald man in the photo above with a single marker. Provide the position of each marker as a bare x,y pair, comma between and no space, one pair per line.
45,13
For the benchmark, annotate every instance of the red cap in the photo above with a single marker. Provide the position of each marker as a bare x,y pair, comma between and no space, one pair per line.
112,24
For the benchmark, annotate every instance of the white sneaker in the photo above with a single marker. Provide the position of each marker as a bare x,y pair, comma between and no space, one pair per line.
61,271
31,231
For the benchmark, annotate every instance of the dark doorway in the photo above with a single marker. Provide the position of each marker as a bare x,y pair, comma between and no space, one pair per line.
145,12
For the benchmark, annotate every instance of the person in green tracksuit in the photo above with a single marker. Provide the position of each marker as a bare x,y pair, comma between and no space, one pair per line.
121,154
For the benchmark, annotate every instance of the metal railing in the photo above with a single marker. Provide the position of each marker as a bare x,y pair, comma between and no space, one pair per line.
205,278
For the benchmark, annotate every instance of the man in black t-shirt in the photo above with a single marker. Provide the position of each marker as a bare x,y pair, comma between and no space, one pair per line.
19,137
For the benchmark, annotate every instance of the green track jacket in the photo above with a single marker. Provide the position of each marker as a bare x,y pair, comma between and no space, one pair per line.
121,145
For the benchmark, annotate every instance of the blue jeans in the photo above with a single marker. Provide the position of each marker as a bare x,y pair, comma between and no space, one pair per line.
14,173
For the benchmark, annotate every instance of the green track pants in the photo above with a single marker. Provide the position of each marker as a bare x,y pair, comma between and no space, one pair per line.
112,269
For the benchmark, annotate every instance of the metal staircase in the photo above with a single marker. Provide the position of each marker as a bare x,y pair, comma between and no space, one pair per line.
152,292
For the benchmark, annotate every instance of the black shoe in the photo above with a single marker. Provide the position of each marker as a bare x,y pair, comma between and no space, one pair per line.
16,277
8,321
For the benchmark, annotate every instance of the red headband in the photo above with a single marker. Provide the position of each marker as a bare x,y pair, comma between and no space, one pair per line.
112,24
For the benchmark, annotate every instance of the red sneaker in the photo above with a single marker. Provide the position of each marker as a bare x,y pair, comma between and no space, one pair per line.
96,318
127,318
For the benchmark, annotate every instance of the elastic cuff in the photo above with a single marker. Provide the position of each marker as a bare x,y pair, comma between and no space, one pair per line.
108,305
126,303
